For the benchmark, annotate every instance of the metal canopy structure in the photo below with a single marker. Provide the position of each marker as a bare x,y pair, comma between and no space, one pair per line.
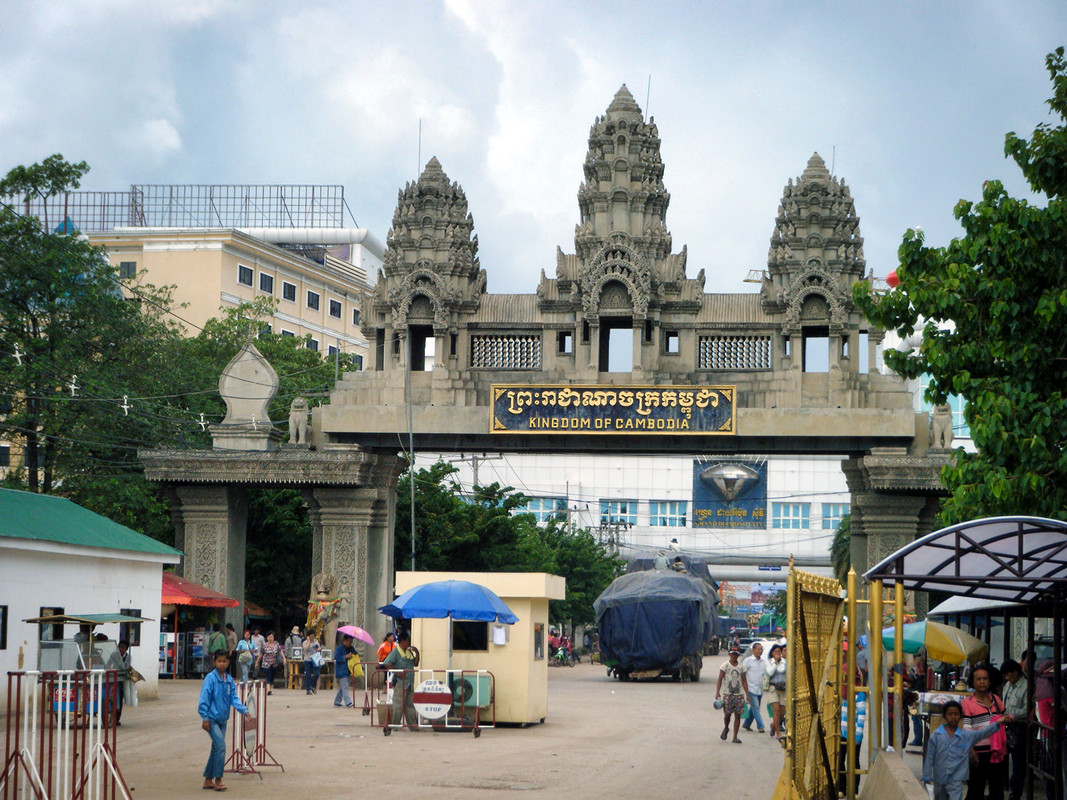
1011,559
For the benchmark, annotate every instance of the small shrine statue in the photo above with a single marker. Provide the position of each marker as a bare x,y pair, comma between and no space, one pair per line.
323,607
298,421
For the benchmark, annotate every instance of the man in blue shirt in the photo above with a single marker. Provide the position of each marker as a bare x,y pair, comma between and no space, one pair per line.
947,763
217,695
341,673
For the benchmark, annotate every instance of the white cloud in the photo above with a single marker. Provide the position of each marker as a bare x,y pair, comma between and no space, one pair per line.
153,139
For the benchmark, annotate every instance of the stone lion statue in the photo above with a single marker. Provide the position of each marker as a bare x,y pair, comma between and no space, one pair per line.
298,421
941,427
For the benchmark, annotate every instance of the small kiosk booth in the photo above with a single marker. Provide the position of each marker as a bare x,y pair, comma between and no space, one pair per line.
515,654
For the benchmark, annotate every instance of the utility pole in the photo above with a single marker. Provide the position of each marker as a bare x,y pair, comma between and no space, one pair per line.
475,462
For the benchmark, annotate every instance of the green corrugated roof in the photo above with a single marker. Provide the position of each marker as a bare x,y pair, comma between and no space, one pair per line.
47,518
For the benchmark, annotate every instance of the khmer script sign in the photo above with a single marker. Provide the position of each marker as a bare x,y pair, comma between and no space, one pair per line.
672,410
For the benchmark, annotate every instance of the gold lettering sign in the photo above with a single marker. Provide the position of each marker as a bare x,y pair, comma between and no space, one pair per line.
668,410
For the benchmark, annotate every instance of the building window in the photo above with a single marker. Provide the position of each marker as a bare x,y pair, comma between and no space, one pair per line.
266,283
313,344
289,291
618,511
793,516
3,627
127,269
565,343
287,333
130,632
671,343
313,301
51,633
244,275
335,309
355,316
545,509
358,361
265,330
667,513
5,455
331,350
832,514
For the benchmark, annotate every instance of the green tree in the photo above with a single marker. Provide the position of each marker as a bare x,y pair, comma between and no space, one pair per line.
776,604
992,306
487,532
588,568
72,346
840,550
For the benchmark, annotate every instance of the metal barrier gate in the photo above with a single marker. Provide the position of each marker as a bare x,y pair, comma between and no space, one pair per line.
442,699
59,739
815,611
248,736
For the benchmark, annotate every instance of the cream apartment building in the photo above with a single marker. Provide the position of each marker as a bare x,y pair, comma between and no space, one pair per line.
212,269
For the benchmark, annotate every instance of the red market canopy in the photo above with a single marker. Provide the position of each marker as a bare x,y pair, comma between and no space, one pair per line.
178,591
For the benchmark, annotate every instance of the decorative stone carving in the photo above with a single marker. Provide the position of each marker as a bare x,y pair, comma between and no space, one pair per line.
815,218
431,252
247,386
941,427
298,421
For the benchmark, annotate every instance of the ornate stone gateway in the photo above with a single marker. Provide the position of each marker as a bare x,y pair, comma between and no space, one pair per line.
790,369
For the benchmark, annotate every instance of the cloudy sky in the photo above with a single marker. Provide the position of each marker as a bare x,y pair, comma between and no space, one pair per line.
909,101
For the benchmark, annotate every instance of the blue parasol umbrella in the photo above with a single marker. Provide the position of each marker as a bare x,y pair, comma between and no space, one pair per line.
460,600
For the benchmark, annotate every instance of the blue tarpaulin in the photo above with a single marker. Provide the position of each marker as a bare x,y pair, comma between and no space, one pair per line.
650,620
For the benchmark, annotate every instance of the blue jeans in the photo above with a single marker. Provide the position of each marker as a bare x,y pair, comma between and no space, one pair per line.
311,676
216,760
753,711
245,667
342,697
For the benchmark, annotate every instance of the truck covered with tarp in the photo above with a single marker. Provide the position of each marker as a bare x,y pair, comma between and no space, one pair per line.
655,623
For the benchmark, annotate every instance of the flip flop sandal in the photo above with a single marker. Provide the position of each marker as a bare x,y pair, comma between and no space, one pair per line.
725,733
220,788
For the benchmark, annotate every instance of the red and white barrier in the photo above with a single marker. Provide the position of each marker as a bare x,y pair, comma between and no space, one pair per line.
248,735
59,736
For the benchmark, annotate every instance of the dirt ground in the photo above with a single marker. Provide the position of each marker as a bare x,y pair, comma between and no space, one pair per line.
601,737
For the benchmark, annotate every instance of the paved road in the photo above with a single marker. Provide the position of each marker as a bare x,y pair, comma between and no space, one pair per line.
602,738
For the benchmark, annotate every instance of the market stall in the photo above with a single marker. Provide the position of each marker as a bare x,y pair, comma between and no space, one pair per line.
180,651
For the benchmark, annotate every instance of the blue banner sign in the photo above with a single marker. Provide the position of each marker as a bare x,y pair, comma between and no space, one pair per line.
670,410
729,494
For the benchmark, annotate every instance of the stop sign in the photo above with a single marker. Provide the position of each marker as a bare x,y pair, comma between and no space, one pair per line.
432,699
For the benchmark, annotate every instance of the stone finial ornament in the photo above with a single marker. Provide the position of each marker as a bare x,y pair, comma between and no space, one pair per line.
247,386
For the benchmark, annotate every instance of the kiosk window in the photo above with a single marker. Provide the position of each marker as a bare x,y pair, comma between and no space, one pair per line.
3,627
539,641
470,635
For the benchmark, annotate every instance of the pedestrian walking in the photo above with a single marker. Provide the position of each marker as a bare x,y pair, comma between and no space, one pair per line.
341,672
776,678
948,764
1015,703
258,640
755,671
246,655
312,663
732,677
218,694
979,710
270,655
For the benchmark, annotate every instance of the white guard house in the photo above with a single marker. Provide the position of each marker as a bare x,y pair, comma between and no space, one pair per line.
59,558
